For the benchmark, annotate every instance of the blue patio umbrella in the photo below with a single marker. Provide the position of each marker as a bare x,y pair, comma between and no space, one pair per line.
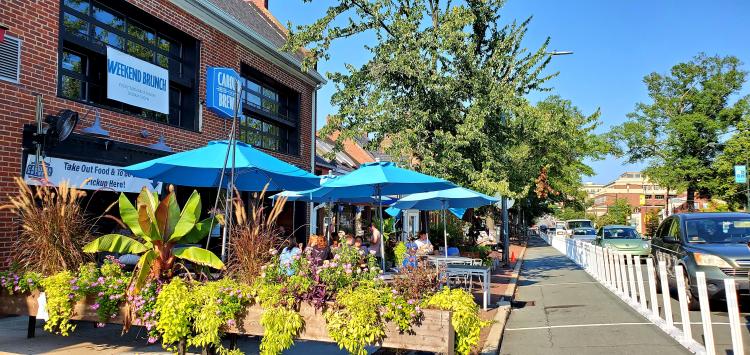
303,196
453,198
205,167
379,179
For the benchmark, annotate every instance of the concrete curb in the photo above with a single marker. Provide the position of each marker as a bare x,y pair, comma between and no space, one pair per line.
495,337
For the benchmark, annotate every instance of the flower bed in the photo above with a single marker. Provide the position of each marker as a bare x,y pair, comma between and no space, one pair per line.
434,333
280,293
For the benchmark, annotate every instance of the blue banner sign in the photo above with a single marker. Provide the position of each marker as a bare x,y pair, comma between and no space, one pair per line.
740,174
221,90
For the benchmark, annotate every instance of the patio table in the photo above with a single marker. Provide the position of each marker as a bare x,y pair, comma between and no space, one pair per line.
473,270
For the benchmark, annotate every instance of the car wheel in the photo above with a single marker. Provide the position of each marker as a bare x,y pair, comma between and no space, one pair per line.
692,301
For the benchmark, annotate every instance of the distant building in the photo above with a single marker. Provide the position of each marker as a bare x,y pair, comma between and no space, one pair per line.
591,189
641,194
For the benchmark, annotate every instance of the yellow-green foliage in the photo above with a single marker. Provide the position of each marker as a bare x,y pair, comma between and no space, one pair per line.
465,317
356,323
217,304
61,295
174,307
280,326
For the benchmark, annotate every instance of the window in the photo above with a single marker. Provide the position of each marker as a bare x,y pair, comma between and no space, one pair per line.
89,26
271,113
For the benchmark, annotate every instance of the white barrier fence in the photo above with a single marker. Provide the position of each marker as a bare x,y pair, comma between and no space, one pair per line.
623,275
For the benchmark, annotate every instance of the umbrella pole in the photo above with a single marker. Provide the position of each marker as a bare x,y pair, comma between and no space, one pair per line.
294,217
382,242
445,231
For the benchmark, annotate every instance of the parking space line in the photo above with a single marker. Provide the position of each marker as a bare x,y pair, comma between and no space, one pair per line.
579,326
561,284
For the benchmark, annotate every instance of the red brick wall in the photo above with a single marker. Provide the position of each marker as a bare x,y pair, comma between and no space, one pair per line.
36,23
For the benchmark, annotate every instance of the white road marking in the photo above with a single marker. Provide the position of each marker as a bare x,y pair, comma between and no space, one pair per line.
562,284
579,326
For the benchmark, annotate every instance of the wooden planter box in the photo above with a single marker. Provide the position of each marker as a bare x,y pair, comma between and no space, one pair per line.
435,333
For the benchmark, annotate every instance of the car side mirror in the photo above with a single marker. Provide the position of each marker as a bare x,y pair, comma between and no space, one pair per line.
670,240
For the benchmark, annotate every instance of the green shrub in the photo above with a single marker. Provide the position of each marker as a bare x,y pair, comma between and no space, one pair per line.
280,326
465,318
60,290
174,308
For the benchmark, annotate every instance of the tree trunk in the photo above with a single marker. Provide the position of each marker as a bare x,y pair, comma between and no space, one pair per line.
691,199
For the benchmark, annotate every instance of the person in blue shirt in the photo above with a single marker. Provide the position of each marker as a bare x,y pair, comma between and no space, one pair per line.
288,255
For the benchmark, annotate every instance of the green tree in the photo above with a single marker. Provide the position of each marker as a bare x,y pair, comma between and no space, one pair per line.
652,222
445,90
617,213
735,151
678,134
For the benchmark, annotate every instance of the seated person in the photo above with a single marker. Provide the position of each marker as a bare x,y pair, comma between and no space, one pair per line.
317,250
410,260
424,247
358,245
288,255
335,245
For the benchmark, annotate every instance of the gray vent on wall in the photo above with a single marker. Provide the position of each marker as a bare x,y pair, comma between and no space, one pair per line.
10,59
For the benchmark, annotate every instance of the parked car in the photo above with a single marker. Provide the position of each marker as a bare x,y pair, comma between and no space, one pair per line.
560,229
715,243
625,239
572,224
584,233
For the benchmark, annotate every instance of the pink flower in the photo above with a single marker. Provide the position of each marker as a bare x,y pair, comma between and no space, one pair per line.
95,306
152,340
410,302
372,252
417,309
231,323
394,291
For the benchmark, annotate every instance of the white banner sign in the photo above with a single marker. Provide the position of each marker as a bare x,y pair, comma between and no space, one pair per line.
137,82
101,176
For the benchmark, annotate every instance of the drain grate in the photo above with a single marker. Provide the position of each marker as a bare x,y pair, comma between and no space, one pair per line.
522,304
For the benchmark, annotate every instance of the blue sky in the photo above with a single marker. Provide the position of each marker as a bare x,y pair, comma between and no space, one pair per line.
616,43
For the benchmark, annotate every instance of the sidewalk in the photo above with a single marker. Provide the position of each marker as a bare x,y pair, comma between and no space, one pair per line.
560,309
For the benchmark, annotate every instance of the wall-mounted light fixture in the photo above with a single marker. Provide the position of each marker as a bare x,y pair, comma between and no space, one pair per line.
96,127
161,144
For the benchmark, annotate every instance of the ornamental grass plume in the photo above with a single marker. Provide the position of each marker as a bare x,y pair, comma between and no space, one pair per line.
253,235
54,227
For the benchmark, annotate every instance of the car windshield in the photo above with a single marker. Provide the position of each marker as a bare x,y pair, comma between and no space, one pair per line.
718,230
580,224
559,226
621,233
584,231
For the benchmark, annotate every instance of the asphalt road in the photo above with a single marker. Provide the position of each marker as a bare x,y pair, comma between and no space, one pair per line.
560,309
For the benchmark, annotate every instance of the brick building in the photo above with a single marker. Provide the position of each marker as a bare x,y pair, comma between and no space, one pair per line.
57,50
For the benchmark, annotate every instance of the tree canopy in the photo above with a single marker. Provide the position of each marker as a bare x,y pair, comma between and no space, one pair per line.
679,133
445,90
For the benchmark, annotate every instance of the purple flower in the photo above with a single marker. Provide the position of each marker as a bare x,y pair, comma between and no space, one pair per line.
101,293
393,290
417,309
231,323
410,301
100,325
152,340
29,281
95,306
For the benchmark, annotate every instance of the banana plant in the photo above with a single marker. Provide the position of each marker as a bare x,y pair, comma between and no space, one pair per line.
159,226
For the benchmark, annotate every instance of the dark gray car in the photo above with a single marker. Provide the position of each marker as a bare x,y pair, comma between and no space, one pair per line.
715,243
